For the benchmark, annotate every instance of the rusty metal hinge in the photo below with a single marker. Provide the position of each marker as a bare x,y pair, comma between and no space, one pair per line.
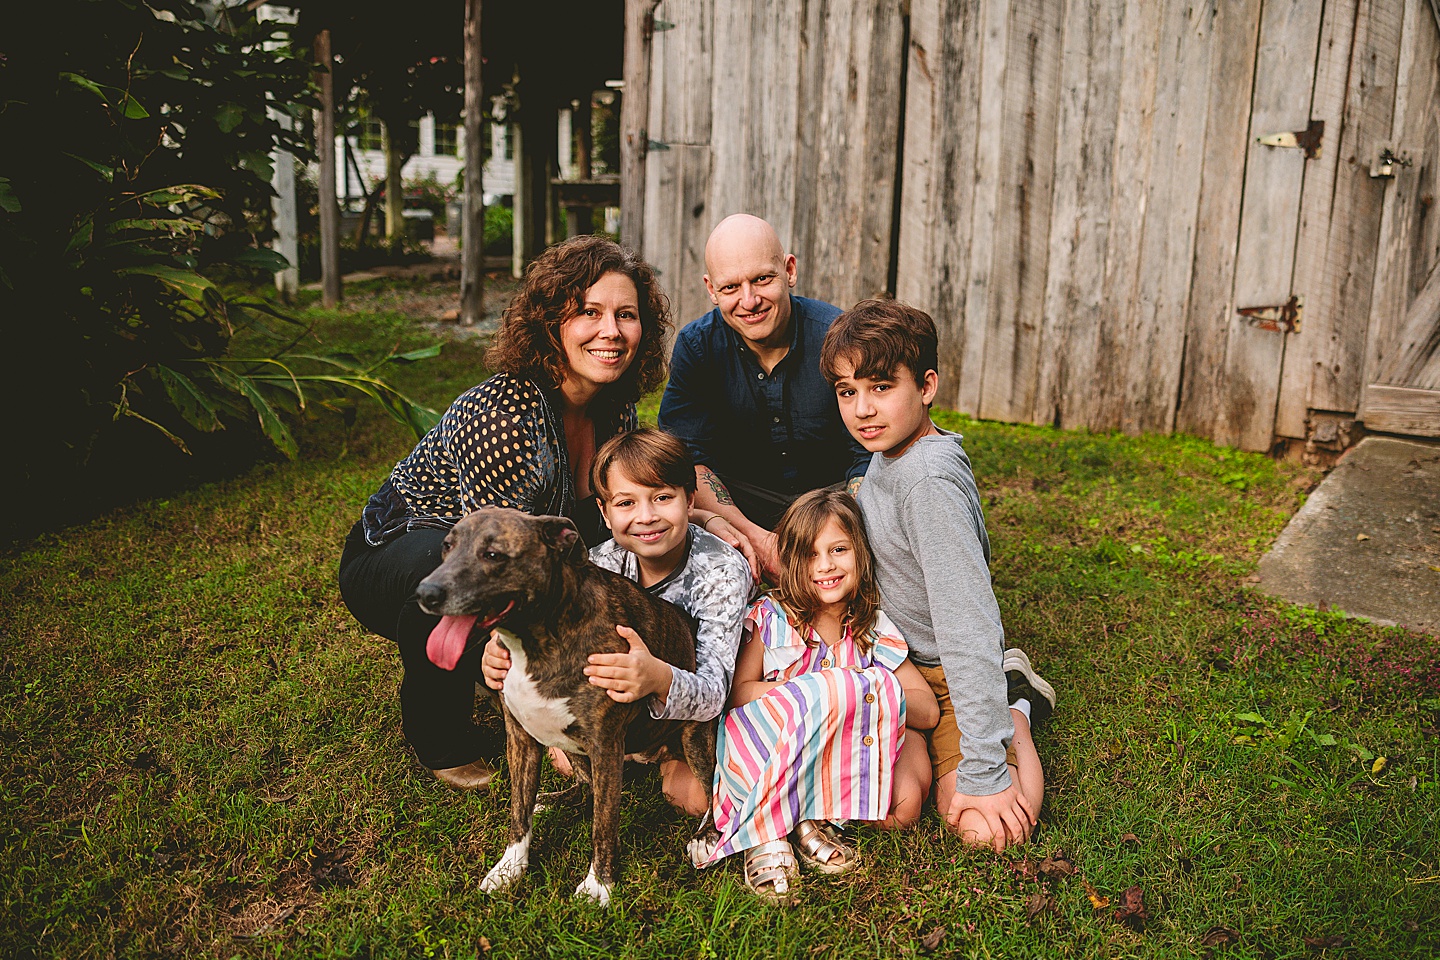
1283,319
1307,139
1386,160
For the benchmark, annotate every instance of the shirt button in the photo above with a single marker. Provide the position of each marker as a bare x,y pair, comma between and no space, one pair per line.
776,419
824,664
869,698
759,376
868,741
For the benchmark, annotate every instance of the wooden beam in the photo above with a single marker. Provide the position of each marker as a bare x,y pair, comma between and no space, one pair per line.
634,120
1404,410
472,251
325,149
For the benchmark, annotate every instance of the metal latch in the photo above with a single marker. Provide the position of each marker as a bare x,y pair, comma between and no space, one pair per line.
1283,319
1386,160
1307,139
661,25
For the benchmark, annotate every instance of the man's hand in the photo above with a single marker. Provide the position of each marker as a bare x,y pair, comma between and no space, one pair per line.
726,531
767,548
628,677
494,662
1006,817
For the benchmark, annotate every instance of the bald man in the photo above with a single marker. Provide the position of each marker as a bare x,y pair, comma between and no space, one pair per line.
746,393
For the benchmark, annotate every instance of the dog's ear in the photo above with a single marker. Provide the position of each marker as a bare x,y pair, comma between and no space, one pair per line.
561,536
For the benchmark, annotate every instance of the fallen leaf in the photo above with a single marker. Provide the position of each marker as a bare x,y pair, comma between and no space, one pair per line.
1036,904
485,945
1096,901
1130,837
1324,943
1362,536
1132,910
1219,936
1025,868
1378,765
932,939
1253,578
1057,866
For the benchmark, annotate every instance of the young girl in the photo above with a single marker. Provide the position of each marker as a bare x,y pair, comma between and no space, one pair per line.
822,696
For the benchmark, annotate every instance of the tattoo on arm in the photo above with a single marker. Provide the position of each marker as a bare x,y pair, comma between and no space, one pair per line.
717,487
853,487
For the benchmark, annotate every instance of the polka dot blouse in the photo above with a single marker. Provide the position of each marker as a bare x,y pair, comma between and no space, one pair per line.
500,444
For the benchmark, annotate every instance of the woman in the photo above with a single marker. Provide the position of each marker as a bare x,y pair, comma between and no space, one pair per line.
578,345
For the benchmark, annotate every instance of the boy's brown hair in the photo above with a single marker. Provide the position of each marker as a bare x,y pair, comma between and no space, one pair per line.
876,337
651,458
795,537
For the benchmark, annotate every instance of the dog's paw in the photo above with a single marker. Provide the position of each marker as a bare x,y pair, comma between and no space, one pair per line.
592,889
702,849
511,867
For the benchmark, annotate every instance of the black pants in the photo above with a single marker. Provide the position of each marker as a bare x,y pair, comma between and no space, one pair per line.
437,707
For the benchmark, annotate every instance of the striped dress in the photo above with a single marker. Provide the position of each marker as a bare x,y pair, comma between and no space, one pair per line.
821,747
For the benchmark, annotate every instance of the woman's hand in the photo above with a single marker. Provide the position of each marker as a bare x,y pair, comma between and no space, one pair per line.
726,531
494,662
631,676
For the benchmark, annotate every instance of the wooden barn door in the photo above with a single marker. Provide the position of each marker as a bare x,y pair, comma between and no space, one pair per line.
1402,356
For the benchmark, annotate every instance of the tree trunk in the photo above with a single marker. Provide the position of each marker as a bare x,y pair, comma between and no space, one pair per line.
634,119
394,191
472,233
325,149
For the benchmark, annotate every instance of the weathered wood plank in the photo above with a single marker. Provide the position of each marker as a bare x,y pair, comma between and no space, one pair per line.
942,109
854,165
1020,245
730,182
680,89
1284,82
990,146
1415,359
1152,382
1341,212
1103,401
1402,410
1079,222
1409,247
1207,320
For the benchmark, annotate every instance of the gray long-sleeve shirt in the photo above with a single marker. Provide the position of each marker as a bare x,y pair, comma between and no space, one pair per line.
713,588
932,556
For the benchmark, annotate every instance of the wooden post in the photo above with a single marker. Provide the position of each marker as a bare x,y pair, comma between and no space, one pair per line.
394,191
634,119
580,219
519,203
325,149
283,207
472,231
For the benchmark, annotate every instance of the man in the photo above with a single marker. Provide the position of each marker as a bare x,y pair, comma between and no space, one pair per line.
746,393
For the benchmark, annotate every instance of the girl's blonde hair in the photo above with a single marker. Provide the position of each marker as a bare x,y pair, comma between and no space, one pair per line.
796,534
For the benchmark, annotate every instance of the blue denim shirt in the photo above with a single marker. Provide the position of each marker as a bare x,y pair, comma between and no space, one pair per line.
780,430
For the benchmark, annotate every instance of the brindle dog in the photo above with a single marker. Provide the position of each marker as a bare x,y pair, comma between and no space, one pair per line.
532,578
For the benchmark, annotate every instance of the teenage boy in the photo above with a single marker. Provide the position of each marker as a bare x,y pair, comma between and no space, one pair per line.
645,482
927,531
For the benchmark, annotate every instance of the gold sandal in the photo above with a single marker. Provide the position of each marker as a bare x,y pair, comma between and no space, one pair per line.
771,871
821,847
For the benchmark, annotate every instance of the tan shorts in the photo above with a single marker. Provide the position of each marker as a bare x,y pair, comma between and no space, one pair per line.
944,740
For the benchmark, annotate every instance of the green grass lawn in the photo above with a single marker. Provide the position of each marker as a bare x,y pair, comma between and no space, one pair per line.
202,754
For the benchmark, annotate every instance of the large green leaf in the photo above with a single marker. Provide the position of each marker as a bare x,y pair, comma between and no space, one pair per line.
189,283
260,258
194,405
270,421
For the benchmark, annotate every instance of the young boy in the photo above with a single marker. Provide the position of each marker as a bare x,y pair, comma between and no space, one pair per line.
645,482
923,516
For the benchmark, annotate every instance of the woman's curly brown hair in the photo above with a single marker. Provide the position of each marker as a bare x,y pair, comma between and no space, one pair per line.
528,343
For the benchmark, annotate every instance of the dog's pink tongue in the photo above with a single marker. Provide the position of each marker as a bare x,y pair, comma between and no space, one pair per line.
447,641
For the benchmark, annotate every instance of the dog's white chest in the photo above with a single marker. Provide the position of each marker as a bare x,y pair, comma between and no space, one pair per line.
544,718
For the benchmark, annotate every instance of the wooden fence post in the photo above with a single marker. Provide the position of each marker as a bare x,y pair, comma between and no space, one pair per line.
634,120
325,149
472,235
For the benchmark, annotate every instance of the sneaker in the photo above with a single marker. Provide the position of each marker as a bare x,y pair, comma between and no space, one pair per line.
1024,683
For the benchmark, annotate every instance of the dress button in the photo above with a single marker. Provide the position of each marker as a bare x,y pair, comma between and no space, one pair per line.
776,419
824,664
868,741
869,698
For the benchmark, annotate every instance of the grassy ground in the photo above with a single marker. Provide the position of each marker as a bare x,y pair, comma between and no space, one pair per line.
202,753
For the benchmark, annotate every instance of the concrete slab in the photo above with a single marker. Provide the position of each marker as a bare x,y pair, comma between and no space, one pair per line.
1367,540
